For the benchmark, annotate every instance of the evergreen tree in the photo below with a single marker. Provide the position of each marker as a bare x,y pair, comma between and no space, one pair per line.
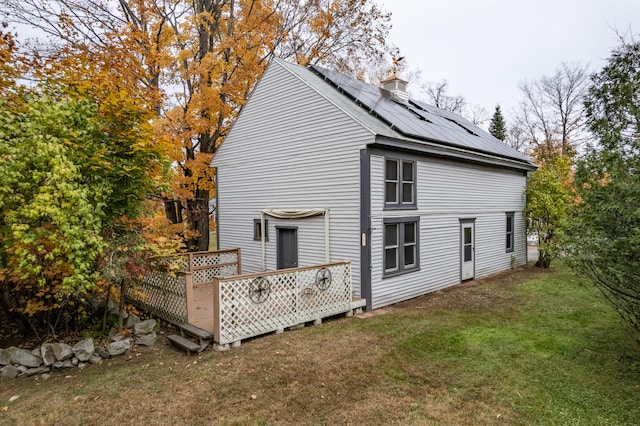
498,127
604,231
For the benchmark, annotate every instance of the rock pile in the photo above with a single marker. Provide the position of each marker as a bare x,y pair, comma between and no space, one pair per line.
17,362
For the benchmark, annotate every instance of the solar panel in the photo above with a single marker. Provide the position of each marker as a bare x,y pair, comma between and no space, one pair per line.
419,120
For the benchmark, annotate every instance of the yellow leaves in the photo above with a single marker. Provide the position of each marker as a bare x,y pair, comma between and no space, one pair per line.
606,180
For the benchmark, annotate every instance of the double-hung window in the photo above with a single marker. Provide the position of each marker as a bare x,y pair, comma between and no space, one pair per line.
510,232
401,245
400,183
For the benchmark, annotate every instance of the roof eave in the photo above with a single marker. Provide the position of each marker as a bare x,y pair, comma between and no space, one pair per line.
436,148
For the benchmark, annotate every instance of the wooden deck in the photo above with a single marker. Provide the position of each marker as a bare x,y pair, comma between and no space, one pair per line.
201,307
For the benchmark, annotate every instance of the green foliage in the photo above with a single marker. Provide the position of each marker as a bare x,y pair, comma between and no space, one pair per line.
604,237
548,201
73,164
498,127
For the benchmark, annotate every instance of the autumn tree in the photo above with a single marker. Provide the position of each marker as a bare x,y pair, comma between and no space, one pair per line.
498,126
78,155
548,202
208,55
604,233
551,115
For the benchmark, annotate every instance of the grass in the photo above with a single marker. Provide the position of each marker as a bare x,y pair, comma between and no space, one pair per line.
525,347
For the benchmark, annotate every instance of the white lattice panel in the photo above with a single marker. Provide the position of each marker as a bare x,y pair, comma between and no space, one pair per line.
207,275
254,305
163,291
162,294
214,258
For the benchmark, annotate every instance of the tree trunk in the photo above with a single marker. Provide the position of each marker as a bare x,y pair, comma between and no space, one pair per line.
544,260
198,218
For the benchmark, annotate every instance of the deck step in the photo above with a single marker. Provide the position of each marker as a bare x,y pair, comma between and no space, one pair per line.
204,336
195,331
185,344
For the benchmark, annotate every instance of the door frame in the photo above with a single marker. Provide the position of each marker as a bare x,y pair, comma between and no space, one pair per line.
278,239
467,223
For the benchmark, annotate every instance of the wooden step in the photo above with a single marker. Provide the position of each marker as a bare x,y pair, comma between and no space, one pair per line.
203,336
195,331
185,344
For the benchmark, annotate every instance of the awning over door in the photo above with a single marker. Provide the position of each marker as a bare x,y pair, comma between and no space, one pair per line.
294,214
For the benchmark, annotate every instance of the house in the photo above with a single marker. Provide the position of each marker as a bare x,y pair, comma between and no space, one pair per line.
321,167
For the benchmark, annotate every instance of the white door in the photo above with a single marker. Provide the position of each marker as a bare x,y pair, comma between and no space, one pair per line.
468,250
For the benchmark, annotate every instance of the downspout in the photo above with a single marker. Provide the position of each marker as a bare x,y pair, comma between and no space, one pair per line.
327,255
264,243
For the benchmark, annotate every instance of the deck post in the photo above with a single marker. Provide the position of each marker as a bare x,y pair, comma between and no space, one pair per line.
216,309
189,290
239,260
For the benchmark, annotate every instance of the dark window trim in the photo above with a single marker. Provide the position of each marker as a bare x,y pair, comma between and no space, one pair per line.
399,205
256,234
401,268
510,217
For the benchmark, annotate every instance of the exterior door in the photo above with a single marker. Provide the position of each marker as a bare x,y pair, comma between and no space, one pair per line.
287,247
468,249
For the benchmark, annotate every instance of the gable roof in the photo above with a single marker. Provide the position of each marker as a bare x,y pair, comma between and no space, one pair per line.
413,122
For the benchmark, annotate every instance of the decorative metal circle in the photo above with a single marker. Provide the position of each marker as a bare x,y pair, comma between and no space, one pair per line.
323,279
260,290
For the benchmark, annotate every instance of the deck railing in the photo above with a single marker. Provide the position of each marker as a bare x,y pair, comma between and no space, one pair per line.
167,290
254,304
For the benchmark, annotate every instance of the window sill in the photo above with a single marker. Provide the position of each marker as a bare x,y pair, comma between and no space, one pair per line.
400,207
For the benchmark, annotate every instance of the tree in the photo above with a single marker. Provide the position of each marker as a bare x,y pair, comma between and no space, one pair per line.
208,55
75,160
548,200
498,127
551,114
437,95
604,233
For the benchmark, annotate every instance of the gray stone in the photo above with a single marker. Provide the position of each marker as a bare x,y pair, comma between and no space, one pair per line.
74,361
117,338
112,333
144,327
83,349
48,357
132,320
95,359
22,368
62,351
25,358
102,352
67,363
118,348
147,339
5,355
46,376
9,371
36,352
33,371
82,365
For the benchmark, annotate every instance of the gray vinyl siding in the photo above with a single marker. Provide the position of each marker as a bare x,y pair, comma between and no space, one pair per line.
291,148
448,191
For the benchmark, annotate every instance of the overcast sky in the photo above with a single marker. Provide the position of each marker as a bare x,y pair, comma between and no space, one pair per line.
485,47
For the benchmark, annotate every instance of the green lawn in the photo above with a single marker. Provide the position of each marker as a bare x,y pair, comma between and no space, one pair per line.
526,347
